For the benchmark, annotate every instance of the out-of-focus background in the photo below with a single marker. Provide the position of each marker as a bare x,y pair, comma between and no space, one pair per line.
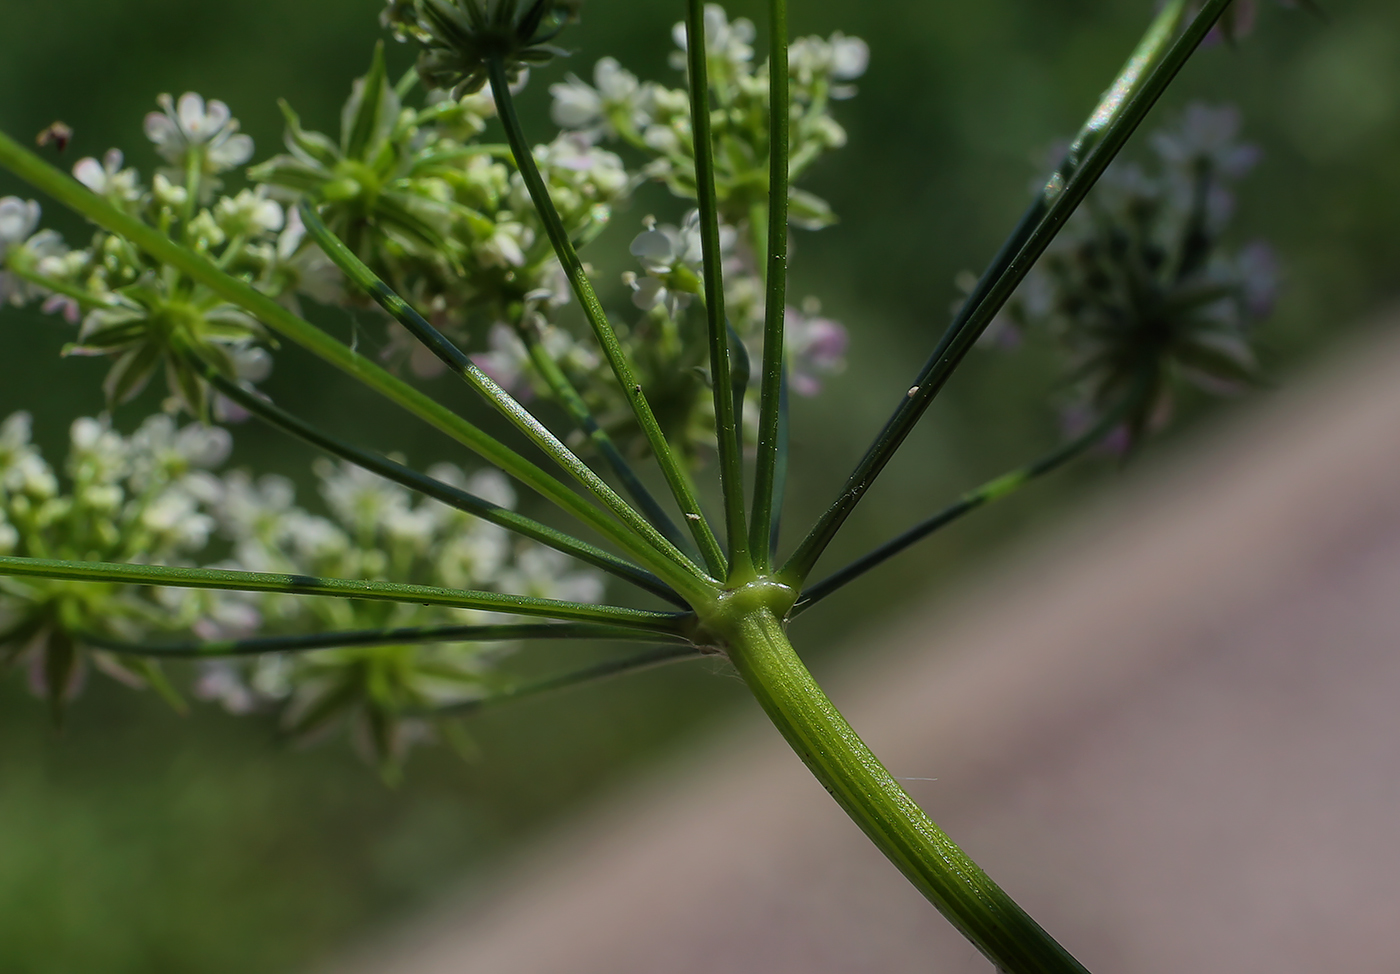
135,840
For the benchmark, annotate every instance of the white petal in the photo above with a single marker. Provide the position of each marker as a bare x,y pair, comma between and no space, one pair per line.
850,56
90,173
654,247
234,151
160,129
190,113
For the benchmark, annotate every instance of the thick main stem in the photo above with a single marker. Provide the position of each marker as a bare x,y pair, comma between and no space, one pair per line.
957,886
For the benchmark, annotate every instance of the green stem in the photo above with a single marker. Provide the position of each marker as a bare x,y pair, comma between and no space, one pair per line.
431,487
992,490
1146,76
458,362
77,197
775,307
591,674
598,320
957,886
83,297
727,432
344,588
375,637
568,397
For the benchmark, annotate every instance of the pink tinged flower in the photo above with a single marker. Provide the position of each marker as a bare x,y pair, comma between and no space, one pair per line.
1259,273
62,304
816,347
507,363
1210,135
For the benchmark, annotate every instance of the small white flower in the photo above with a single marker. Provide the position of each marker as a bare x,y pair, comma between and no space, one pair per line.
672,258
730,41
108,178
250,213
18,218
193,125
615,93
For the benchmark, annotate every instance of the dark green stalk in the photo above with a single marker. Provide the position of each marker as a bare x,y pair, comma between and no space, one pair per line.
219,648
957,886
727,432
992,490
344,588
503,402
1146,76
591,674
436,489
775,306
77,197
568,397
780,471
612,348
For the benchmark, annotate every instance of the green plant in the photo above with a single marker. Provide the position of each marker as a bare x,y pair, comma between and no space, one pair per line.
459,240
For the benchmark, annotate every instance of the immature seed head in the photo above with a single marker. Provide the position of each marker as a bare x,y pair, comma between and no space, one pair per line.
461,37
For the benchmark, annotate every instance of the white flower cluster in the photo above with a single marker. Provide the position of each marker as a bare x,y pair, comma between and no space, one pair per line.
145,320
656,119
375,531
134,499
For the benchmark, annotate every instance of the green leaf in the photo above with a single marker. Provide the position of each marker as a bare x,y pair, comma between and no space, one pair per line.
370,112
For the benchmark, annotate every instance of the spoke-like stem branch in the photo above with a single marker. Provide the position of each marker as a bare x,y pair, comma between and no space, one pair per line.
431,487
568,397
992,490
613,351
1146,76
775,307
657,656
80,199
840,760
218,648
342,588
503,402
727,432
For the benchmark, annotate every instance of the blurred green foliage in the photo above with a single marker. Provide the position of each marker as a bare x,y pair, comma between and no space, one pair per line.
135,840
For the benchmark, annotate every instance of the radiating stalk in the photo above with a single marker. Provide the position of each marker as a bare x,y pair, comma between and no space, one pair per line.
568,397
431,487
840,760
994,489
727,432
79,198
503,402
344,588
775,306
613,351
1146,76
657,656
309,642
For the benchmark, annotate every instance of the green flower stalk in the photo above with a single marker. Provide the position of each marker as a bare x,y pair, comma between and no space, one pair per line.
392,608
